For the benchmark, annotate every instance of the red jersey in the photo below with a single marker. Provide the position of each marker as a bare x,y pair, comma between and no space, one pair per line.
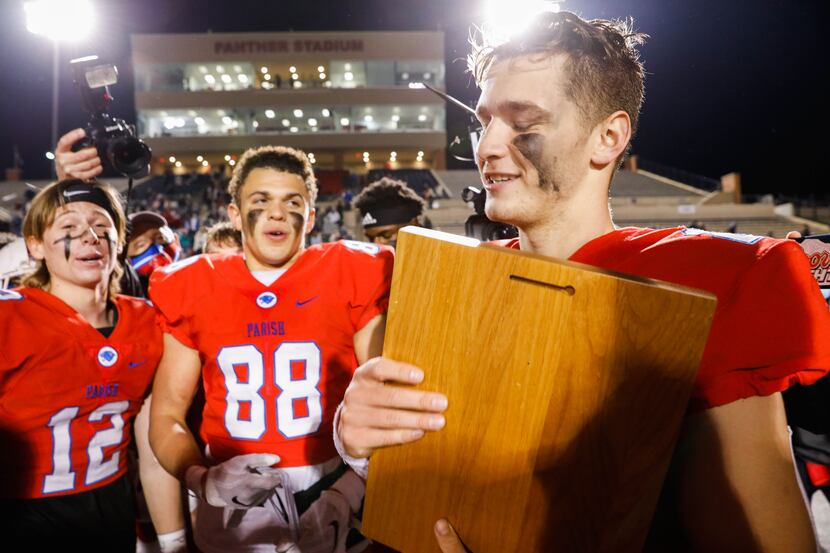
276,360
68,394
771,328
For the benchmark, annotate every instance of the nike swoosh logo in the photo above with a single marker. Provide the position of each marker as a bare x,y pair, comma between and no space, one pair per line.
302,303
71,193
134,365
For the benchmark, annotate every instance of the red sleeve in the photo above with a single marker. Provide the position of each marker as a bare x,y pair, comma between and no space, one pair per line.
15,335
773,331
170,290
7,345
372,274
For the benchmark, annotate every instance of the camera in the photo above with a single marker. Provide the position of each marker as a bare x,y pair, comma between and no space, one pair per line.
478,225
115,140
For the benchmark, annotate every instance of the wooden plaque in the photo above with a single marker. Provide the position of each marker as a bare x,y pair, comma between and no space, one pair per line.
567,386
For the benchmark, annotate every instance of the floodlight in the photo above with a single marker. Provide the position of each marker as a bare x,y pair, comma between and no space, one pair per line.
505,19
60,20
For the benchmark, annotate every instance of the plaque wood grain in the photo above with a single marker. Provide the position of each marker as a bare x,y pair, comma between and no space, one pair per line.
567,386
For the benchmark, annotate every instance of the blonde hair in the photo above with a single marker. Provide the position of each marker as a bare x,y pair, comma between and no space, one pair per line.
41,215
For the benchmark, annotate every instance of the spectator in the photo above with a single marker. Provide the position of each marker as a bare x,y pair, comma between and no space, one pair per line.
331,221
223,238
151,244
348,197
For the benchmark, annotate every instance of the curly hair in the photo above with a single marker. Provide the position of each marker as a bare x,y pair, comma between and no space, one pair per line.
388,193
603,67
279,158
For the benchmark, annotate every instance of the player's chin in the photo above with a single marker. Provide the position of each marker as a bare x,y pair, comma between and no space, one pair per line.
278,256
89,278
499,210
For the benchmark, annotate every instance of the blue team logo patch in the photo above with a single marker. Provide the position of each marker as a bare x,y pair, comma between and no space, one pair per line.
748,239
107,356
266,300
10,295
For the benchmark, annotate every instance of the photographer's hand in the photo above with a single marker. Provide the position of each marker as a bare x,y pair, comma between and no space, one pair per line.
83,164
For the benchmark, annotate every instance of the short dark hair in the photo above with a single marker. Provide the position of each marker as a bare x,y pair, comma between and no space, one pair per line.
388,193
604,68
279,158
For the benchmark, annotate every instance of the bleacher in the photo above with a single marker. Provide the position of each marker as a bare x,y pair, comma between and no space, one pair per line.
639,198
775,226
646,199
642,184
458,180
626,184
185,185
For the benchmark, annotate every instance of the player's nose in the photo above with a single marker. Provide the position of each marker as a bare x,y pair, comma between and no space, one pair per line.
277,211
493,142
89,236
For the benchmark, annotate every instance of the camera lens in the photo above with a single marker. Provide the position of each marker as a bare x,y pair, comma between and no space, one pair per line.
129,156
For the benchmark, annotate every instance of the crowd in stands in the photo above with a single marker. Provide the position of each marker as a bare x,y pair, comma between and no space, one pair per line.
192,202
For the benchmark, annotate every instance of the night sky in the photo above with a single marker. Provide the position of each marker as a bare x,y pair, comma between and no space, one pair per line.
732,85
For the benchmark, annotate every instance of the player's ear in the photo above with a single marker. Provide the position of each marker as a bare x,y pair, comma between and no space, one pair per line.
613,138
235,216
35,248
309,224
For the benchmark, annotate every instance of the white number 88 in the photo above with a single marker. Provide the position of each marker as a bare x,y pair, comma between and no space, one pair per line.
288,424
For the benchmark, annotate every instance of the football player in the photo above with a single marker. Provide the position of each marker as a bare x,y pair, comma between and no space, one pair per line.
386,206
558,107
275,334
150,244
76,362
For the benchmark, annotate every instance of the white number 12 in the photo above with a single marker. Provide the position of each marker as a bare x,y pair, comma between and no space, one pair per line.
62,477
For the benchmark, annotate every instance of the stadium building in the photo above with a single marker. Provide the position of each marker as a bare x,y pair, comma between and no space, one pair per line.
349,99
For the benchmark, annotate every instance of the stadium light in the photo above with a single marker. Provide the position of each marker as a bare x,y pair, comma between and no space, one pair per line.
505,19
59,21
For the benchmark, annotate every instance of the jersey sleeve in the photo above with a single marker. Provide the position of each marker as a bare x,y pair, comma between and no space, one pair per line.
371,270
772,332
14,341
7,344
170,290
